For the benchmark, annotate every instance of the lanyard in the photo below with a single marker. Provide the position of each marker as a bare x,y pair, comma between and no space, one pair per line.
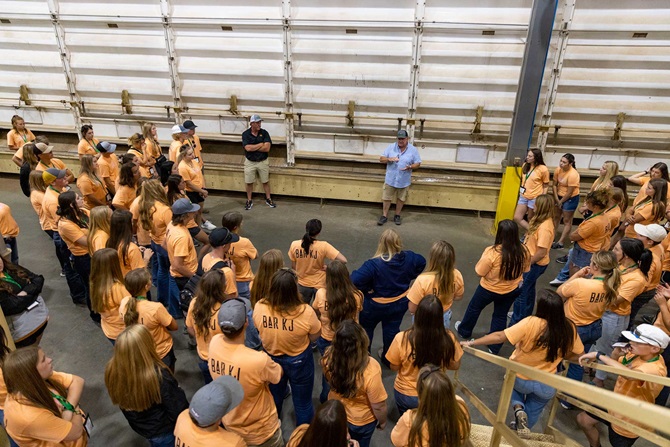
528,175
141,298
643,203
594,215
10,280
47,166
24,136
54,189
632,267
90,143
599,278
66,405
611,208
627,362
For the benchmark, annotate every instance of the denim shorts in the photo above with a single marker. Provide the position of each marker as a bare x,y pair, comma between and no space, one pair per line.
580,257
530,203
570,204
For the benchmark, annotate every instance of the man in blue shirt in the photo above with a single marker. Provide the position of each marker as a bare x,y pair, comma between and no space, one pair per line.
400,158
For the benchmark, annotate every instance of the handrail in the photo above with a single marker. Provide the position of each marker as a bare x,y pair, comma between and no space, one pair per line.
653,416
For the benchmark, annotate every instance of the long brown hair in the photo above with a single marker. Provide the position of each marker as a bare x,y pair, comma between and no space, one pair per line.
210,292
659,199
428,339
133,375
36,181
341,294
105,272
346,359
441,262
544,210
447,421
100,220
514,253
283,296
151,192
121,234
15,271
21,377
559,333
608,265
270,262
137,281
328,428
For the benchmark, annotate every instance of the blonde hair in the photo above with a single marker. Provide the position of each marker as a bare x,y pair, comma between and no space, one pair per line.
99,220
441,263
87,166
607,263
134,139
15,121
389,245
151,191
605,181
105,273
270,262
182,153
544,209
36,181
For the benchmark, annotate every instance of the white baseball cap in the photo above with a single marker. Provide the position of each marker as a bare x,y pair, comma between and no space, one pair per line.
649,335
655,232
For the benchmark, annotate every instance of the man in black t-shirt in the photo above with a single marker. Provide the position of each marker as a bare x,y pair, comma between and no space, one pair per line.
256,143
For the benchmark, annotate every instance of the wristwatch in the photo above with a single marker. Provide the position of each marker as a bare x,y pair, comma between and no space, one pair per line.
598,354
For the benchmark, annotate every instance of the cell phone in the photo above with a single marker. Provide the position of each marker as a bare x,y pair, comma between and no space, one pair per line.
620,344
32,306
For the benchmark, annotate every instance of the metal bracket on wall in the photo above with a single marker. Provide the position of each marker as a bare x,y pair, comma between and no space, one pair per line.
125,103
620,118
351,108
417,42
172,60
288,83
233,105
24,96
477,128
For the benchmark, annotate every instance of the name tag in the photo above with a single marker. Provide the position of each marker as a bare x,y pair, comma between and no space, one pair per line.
522,190
108,197
88,425
196,159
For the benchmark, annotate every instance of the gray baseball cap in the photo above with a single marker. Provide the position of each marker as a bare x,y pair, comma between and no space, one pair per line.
232,315
106,147
255,118
183,206
214,400
402,134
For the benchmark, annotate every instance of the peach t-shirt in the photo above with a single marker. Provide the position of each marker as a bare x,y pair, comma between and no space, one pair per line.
585,300
156,318
134,259
524,335
645,209
143,236
400,353
285,334
297,435
173,150
321,304
241,253
209,260
8,226
614,216
180,244
17,139
124,196
255,418
594,230
642,193
36,200
370,391
214,328
534,181
94,187
656,269
563,180
191,173
162,216
109,167
426,284
400,433
541,238
194,143
633,283
187,434
658,323
55,163
309,266
153,148
49,207
71,232
85,147
98,242
112,323
488,267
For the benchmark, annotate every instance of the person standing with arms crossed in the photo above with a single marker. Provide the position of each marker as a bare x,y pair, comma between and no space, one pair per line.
400,158
256,143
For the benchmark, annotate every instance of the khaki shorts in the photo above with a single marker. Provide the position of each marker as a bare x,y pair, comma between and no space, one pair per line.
276,440
389,193
256,168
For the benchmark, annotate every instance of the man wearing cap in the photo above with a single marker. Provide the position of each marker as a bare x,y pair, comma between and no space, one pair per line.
108,165
193,141
256,142
643,354
181,251
200,425
255,419
44,154
179,136
400,158
56,181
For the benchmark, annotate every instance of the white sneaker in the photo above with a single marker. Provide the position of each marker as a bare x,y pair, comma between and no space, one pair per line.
556,282
209,226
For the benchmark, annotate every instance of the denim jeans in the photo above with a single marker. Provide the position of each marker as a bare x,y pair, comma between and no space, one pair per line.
11,243
82,265
533,397
170,359
166,440
307,293
168,293
321,345
299,372
481,299
243,290
613,324
74,282
446,319
362,433
2,421
577,256
390,315
252,338
405,402
204,369
588,334
524,304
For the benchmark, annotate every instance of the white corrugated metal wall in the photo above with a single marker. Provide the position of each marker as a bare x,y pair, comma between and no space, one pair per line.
306,64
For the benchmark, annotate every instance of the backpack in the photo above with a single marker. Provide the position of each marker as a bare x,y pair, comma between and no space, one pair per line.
188,292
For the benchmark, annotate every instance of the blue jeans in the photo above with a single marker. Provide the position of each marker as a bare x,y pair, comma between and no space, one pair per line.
588,334
2,421
390,315
168,293
299,372
362,433
524,304
243,290
166,440
204,369
533,397
74,282
446,318
11,243
481,299
321,345
252,338
405,402
82,265
577,256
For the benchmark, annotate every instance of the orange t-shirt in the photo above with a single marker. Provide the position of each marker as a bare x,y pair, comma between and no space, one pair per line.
666,253
124,197
143,236
180,244
209,260
524,335
213,324
241,253
70,232
85,147
297,435
194,143
55,163
153,148
585,300
112,322
187,434
658,323
94,187
36,200
17,140
541,238
108,167
285,334
3,390
400,353
31,426
154,317
400,433
594,230
321,304
134,259
534,181
191,173
173,151
370,391
637,389
162,216
642,193
645,209
488,267
656,269
309,266
8,226
563,180
614,216
49,207
426,284
98,242
633,283
255,418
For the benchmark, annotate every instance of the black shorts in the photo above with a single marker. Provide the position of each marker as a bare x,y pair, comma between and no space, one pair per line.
193,231
615,438
194,197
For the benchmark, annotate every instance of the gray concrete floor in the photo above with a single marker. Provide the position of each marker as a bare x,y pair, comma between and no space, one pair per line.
78,346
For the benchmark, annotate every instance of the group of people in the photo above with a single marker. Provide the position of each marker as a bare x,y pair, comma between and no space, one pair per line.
255,333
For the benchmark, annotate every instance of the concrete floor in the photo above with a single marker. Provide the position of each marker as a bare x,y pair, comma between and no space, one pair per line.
78,346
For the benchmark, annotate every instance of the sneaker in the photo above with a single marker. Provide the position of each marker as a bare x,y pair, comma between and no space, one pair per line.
207,225
562,259
396,219
456,326
521,422
556,282
270,203
556,246
565,405
248,205
382,220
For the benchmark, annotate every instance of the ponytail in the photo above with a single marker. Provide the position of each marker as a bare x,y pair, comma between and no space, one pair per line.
136,284
312,229
608,265
131,316
644,264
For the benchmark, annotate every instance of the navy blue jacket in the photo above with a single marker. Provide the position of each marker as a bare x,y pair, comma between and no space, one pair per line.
377,278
